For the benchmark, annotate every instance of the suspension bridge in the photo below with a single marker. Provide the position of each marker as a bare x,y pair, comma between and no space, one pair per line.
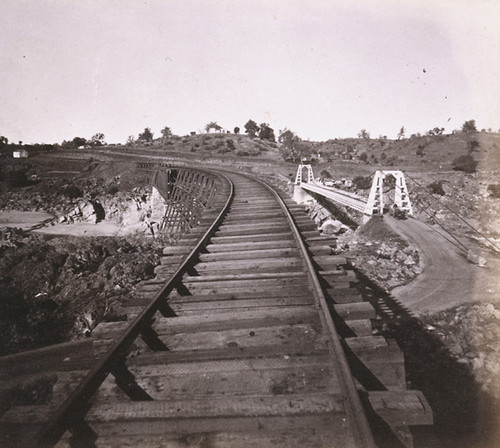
373,205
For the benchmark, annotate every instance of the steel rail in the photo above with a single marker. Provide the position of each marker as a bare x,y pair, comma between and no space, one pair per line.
355,407
73,409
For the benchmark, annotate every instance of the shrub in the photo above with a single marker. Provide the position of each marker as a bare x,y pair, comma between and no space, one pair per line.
241,152
72,191
17,178
466,163
112,189
436,187
230,144
494,190
363,156
472,145
362,183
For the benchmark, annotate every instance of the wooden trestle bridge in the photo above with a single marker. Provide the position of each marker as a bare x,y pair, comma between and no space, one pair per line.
252,334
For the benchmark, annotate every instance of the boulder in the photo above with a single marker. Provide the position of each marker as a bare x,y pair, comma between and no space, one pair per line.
331,227
409,261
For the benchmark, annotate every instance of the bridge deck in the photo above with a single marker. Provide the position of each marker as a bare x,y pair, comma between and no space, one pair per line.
340,196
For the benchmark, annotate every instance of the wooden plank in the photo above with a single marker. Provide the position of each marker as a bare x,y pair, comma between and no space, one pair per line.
219,322
344,295
249,254
241,304
313,432
242,278
320,250
254,245
356,310
222,378
251,406
279,223
316,347
242,293
252,264
390,352
283,336
299,278
401,407
366,343
251,231
360,327
249,238
243,216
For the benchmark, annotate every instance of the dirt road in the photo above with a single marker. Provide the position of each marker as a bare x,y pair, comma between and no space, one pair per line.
447,279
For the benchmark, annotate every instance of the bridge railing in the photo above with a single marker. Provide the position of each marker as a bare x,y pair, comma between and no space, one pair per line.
187,193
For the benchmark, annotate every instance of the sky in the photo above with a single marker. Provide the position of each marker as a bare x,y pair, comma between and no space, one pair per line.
322,68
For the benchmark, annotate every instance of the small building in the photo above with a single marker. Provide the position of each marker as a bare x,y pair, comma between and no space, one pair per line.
20,154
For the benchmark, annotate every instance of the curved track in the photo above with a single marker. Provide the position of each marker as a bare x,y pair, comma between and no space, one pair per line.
231,345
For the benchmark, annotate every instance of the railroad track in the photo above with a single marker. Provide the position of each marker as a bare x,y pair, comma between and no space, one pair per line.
251,335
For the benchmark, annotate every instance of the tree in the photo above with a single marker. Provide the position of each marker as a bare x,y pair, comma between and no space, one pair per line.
292,147
266,132
166,133
4,141
401,133
469,127
325,175
364,134
78,141
465,163
236,130
97,140
213,125
130,140
251,128
435,131
146,136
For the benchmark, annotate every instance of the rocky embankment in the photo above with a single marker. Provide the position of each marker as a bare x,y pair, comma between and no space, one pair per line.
54,289
471,334
139,211
135,210
57,289
468,333
373,248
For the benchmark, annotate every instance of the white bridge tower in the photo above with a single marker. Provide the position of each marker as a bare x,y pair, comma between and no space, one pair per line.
310,175
375,204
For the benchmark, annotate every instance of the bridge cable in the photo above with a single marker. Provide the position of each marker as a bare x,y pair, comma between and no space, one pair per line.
424,208
455,213
459,245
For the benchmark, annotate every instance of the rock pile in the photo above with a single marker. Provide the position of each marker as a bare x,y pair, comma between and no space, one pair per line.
57,289
325,220
471,333
380,254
